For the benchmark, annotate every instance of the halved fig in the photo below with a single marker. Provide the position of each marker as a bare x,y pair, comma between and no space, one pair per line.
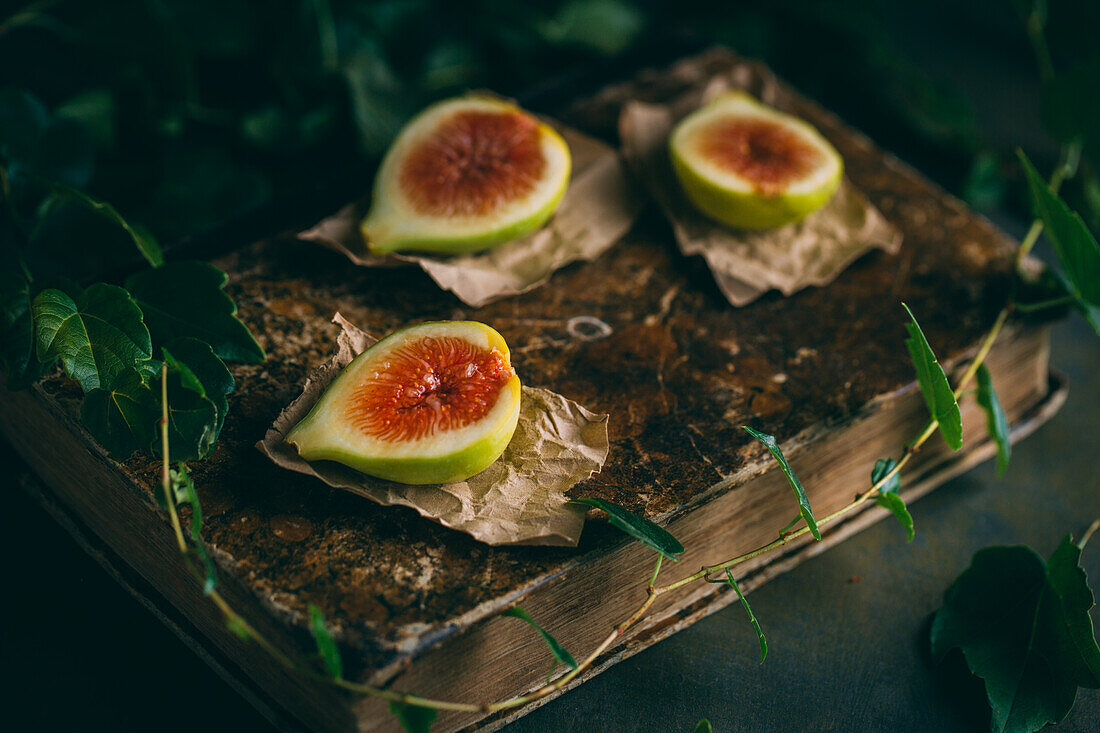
465,175
432,403
750,166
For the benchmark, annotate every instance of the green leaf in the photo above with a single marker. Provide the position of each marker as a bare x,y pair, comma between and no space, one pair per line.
192,417
888,497
99,337
142,238
237,627
1073,242
606,26
752,618
933,384
17,323
556,649
209,371
638,527
413,718
703,726
183,489
1024,627
326,645
995,419
804,507
123,419
185,299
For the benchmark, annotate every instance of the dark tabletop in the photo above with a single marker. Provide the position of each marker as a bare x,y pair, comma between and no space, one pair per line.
847,630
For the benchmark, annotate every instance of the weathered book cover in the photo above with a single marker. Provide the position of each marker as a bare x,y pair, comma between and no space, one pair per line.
416,605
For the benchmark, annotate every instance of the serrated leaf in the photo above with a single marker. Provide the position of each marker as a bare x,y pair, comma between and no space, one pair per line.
123,419
183,489
99,337
638,527
752,617
142,238
192,416
186,299
211,373
995,419
1077,249
804,507
556,649
703,726
326,645
413,718
888,497
1023,626
935,388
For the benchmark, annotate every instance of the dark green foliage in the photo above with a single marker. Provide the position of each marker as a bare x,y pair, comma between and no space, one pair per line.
413,719
184,494
996,422
804,507
1023,626
99,337
17,337
934,386
186,299
888,498
123,418
326,645
752,618
556,649
1077,249
638,527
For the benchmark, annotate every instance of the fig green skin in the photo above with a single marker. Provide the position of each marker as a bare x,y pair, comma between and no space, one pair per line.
379,241
385,231
314,435
750,210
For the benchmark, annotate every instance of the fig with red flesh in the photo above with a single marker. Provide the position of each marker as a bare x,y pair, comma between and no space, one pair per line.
432,403
750,166
466,175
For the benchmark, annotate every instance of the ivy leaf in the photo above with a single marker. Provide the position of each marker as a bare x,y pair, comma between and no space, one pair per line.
192,417
142,238
413,718
185,299
638,527
888,494
752,618
209,371
326,645
995,419
1023,626
933,384
17,323
123,418
556,649
1073,242
99,337
183,489
804,507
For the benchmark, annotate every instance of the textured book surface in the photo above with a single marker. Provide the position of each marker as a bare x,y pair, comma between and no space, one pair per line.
643,334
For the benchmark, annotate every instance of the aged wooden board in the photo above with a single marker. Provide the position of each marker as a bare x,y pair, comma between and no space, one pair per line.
641,333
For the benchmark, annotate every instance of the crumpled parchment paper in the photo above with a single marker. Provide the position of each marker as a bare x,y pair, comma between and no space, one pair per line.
747,263
598,208
518,500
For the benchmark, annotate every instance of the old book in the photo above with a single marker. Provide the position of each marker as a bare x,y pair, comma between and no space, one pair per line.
415,605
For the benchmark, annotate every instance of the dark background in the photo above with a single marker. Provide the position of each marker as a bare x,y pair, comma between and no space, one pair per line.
217,122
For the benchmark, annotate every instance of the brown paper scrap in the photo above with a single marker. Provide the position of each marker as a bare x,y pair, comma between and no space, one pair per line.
598,208
518,500
746,263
